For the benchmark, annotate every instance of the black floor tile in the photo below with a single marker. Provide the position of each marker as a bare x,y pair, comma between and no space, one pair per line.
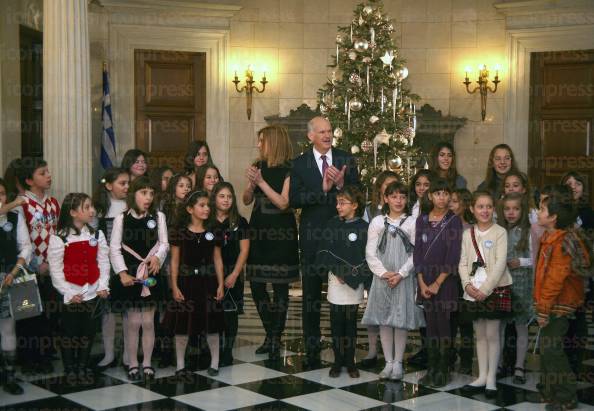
291,364
53,403
284,387
388,391
67,385
174,386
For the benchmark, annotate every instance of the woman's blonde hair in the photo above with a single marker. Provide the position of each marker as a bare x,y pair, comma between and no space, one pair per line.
277,148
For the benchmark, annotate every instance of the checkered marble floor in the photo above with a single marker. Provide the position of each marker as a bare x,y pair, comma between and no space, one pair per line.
254,383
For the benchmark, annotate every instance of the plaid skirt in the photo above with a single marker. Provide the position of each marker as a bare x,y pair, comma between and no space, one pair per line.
496,306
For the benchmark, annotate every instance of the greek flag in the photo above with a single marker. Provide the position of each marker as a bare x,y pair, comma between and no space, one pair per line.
108,152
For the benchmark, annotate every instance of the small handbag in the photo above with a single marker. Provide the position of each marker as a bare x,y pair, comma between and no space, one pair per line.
500,298
23,296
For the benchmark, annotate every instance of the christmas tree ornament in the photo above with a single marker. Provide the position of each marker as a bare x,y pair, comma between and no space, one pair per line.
409,133
352,55
355,104
372,37
390,27
426,166
338,132
355,79
383,137
334,142
361,45
373,119
366,60
395,163
339,38
367,10
364,172
387,58
399,137
378,14
366,146
323,109
355,149
402,73
361,21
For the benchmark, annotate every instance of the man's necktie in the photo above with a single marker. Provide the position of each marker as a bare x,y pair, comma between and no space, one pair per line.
324,164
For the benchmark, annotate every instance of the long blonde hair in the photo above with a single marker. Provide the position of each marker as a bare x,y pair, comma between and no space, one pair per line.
276,145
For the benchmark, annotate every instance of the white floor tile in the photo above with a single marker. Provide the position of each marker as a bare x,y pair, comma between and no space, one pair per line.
112,397
321,376
120,374
458,380
32,393
444,401
226,398
333,400
247,353
242,373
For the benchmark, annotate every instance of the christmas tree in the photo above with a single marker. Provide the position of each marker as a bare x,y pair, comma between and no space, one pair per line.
371,109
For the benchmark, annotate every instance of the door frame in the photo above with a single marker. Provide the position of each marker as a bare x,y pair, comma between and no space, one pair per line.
125,38
519,44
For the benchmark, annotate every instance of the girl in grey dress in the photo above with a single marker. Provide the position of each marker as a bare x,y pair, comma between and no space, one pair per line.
391,303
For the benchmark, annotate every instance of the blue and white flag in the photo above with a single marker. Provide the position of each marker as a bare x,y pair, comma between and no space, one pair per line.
108,152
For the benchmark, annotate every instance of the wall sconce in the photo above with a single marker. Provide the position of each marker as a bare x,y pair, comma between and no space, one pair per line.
249,88
483,86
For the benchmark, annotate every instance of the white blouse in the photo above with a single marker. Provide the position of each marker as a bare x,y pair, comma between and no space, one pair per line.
55,259
374,233
115,243
24,247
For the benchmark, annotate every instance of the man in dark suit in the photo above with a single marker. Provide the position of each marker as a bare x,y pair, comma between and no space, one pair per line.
316,176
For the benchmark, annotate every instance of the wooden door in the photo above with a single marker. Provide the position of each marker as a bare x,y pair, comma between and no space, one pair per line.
170,95
561,116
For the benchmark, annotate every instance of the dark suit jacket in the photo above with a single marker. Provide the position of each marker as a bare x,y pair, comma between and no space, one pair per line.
306,193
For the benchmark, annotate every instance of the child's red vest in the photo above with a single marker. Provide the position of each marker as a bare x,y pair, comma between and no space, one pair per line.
80,262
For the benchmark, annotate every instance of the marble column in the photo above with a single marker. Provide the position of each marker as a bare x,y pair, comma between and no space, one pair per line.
67,138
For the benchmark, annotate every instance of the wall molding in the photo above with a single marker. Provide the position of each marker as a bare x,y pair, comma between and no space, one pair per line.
520,43
124,39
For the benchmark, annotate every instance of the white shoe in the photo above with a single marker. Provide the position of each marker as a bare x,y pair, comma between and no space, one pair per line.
397,371
387,371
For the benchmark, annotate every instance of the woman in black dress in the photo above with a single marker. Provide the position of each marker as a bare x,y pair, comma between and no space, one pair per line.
274,254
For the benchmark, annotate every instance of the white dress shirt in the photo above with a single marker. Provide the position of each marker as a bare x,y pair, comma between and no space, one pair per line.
115,243
319,161
55,258
376,228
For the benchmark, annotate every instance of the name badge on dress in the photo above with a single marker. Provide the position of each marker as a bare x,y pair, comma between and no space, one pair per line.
93,242
352,237
8,227
151,223
391,229
424,237
209,236
488,244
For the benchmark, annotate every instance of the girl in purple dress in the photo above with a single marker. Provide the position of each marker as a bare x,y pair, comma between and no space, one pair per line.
436,257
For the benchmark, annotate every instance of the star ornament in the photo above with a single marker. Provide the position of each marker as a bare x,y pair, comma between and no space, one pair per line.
387,58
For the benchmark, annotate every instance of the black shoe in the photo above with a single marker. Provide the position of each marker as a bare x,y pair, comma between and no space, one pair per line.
134,374
419,359
472,390
106,366
213,372
368,362
353,372
312,362
264,348
441,379
519,379
149,373
226,360
490,394
334,372
183,373
558,406
502,372
13,388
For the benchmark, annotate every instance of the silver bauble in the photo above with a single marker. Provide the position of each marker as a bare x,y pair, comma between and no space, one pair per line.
361,45
367,146
355,104
355,149
373,119
366,60
402,73
323,109
352,55
339,38
395,163
338,132
364,172
367,9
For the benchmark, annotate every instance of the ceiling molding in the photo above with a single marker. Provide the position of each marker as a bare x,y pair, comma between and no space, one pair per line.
524,7
226,8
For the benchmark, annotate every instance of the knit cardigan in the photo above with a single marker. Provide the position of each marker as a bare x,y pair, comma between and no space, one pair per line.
496,259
